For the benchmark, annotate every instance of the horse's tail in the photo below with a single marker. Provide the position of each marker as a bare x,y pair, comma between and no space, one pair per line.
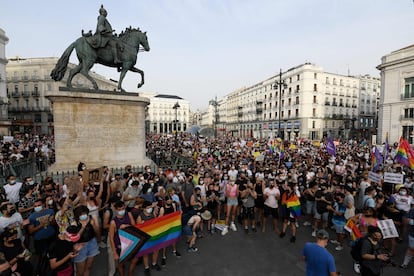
59,71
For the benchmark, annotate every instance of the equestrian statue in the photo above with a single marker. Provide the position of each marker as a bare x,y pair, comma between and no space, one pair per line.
106,48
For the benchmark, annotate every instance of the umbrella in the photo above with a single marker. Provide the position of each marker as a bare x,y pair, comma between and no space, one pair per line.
194,130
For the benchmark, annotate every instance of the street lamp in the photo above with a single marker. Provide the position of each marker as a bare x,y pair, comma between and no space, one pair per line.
176,107
215,104
281,85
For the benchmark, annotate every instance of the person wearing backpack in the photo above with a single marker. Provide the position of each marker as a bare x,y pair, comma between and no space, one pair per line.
371,257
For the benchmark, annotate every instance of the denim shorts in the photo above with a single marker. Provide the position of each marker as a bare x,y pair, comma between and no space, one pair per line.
188,231
310,207
232,202
89,249
323,217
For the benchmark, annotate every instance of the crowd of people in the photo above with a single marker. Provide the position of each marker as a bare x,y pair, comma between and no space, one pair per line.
234,185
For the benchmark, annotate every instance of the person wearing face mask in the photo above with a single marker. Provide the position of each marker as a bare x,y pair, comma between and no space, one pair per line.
121,220
148,213
31,194
130,195
147,193
89,235
63,251
403,202
10,218
372,258
41,226
12,189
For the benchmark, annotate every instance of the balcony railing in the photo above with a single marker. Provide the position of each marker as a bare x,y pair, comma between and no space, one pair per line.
26,94
15,94
404,117
327,103
35,93
259,110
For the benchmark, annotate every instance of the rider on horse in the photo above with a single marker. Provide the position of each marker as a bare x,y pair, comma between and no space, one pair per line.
104,34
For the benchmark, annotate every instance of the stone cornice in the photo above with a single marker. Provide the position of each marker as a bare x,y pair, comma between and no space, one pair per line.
3,61
395,62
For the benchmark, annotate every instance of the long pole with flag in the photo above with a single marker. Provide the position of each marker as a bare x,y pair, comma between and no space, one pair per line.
330,147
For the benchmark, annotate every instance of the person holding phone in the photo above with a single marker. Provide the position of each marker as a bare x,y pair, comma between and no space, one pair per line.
63,250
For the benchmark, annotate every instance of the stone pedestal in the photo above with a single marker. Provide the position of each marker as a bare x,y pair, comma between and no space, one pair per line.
98,128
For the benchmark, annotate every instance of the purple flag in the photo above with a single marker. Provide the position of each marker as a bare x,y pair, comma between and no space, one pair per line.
330,147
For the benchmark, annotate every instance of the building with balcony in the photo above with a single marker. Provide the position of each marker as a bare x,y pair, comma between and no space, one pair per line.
396,107
164,116
4,118
27,81
312,104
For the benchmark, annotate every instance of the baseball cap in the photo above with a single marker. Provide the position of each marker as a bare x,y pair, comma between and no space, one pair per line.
322,234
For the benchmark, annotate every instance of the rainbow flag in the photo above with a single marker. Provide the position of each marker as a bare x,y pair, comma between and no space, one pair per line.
163,231
281,151
353,230
272,146
293,204
405,154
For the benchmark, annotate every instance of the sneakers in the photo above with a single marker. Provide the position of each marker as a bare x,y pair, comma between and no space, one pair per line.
192,249
233,226
225,231
156,267
334,241
177,254
313,233
297,224
147,272
163,261
307,223
293,239
357,268
339,248
403,266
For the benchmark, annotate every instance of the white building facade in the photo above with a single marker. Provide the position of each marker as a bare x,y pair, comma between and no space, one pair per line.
396,108
4,118
311,104
167,114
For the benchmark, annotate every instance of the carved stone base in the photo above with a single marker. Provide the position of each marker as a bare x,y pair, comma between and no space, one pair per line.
98,129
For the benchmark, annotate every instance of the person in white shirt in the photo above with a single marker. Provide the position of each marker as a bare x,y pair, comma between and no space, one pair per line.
12,189
233,173
10,218
403,201
271,196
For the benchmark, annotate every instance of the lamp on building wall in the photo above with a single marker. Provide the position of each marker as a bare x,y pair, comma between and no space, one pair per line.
176,107
214,103
281,85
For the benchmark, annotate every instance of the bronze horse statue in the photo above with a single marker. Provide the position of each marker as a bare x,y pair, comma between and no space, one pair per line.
128,43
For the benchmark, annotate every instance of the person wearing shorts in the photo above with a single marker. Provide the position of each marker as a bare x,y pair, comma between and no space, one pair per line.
232,193
271,196
89,230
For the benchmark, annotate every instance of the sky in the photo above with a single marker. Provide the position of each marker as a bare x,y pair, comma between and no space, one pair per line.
201,49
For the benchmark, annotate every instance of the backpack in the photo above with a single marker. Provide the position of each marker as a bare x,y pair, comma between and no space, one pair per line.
356,249
43,268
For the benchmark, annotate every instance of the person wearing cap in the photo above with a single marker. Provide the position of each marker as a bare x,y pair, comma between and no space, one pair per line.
371,263
319,262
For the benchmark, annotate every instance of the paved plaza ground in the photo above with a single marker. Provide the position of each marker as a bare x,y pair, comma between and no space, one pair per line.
253,254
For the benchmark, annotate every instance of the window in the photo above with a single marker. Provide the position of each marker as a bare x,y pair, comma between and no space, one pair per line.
16,88
313,124
297,112
289,113
265,107
283,114
315,75
409,88
327,80
314,112
297,100
315,87
289,102
298,77
314,99
270,106
297,88
409,113
37,118
408,133
37,103
26,104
